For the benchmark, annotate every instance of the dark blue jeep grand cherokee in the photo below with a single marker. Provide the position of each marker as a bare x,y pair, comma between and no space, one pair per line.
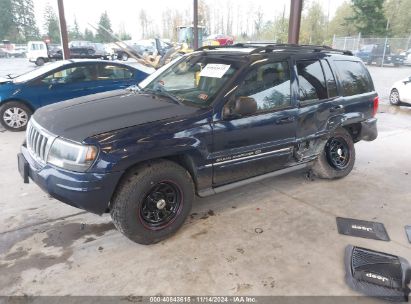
207,122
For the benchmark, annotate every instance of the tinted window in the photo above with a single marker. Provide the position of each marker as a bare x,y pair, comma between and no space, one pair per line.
70,75
112,72
269,85
354,78
331,85
311,81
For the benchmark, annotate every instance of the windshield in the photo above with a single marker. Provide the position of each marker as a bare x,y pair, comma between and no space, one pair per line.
38,72
193,80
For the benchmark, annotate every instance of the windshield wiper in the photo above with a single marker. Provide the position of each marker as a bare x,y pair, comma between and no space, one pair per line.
166,94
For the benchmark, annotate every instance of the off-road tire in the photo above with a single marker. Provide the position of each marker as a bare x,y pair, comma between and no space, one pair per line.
10,105
322,167
133,190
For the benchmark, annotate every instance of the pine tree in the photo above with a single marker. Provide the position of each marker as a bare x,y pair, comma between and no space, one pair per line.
51,25
368,17
6,19
24,21
74,33
88,35
104,23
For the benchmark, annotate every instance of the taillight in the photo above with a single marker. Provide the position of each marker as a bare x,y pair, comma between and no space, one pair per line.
375,106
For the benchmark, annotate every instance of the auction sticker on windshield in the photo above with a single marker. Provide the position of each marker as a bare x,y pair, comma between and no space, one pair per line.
214,70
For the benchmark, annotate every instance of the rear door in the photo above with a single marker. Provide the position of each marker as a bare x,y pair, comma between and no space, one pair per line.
256,144
318,98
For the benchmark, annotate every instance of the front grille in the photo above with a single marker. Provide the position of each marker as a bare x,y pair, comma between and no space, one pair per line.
38,141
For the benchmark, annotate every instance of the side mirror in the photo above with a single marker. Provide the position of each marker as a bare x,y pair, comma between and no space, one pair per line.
407,81
245,106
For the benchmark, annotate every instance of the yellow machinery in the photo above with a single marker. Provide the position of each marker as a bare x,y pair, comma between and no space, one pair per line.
185,36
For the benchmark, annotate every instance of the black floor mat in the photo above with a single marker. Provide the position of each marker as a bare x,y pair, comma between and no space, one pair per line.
408,231
377,274
364,229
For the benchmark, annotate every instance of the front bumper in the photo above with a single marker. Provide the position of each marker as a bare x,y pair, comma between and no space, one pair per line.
369,130
88,191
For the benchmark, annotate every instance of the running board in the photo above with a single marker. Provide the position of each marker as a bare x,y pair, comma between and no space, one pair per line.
211,191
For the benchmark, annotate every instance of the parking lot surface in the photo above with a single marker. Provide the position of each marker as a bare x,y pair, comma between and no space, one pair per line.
275,237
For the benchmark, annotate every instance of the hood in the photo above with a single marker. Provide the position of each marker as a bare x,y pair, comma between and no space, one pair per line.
79,118
5,80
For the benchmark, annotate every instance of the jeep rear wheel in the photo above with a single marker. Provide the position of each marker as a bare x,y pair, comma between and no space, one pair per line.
338,157
152,201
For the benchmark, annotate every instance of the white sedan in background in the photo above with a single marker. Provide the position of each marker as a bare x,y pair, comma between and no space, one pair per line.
401,92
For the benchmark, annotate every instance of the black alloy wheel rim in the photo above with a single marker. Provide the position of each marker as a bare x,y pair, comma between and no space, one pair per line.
338,153
161,205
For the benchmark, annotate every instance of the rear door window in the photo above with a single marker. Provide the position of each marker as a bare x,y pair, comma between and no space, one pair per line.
311,81
329,76
113,72
354,77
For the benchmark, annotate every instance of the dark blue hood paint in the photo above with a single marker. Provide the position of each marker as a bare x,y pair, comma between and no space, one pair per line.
79,118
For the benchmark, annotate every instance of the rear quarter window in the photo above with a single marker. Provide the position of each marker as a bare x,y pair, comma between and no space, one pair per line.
354,77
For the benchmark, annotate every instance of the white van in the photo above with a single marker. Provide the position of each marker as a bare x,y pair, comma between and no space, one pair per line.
37,52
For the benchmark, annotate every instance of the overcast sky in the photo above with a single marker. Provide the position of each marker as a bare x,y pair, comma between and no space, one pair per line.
126,12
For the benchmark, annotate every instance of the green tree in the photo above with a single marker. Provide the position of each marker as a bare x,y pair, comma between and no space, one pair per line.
124,36
398,13
51,24
104,23
339,25
24,21
74,32
368,17
276,31
6,19
313,25
258,22
88,35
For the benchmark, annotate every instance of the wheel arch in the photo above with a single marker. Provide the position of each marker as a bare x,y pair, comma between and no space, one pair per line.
182,159
23,101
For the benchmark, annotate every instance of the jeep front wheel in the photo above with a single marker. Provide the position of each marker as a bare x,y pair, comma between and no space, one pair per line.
338,157
152,201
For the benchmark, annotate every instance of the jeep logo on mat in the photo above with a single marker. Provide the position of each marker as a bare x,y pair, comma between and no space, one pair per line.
361,228
376,276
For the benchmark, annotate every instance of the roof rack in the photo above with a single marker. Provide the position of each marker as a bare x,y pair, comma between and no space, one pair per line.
270,47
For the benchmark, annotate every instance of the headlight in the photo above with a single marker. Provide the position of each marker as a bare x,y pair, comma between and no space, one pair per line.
71,156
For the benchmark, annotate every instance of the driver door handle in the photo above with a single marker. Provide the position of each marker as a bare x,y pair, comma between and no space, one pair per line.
285,120
336,108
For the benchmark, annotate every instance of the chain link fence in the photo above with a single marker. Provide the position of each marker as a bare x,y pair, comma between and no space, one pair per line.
381,51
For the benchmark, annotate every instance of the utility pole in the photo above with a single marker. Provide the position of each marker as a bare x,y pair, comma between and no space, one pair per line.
63,30
295,21
195,24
